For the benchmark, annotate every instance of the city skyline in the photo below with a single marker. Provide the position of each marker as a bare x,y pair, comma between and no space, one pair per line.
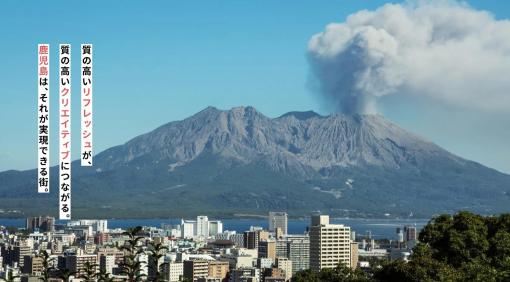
255,141
92,250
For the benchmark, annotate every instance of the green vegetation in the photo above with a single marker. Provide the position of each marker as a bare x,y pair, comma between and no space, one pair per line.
130,266
463,247
341,273
156,255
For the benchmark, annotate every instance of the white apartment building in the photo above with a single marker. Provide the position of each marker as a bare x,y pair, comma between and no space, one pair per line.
329,243
215,227
188,228
174,271
202,226
107,263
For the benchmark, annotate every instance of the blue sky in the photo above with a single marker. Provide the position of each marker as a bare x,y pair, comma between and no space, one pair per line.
158,61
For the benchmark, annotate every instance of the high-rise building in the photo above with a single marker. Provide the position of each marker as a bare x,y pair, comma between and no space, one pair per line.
155,266
188,228
329,243
101,226
286,265
32,265
202,226
40,223
237,239
281,248
215,227
173,271
264,263
354,255
218,269
143,259
278,233
298,251
18,254
263,235
101,238
108,251
267,249
76,263
411,234
278,220
107,263
196,268
251,239
400,235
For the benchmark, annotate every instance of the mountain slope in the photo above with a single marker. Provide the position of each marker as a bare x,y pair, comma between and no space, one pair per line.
240,161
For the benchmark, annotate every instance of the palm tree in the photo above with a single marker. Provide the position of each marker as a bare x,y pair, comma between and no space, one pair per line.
103,276
156,252
89,272
130,266
10,277
65,274
46,268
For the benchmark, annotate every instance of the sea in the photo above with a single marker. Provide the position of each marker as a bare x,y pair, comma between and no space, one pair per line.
376,228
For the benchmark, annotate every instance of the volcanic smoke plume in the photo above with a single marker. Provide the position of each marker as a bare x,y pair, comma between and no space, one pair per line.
443,50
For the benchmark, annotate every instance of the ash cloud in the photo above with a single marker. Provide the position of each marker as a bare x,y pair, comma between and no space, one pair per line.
443,50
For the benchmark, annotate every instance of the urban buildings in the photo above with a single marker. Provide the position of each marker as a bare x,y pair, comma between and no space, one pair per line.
411,234
251,239
329,243
267,249
202,226
40,223
298,251
77,263
107,263
218,269
354,255
173,271
215,227
33,265
195,268
278,220
188,228
246,274
253,255
286,265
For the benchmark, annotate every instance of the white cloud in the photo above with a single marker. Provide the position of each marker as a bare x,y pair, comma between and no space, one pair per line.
443,50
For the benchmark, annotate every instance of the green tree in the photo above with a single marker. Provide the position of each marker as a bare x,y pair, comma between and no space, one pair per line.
457,240
341,273
156,252
65,274
10,277
46,268
132,249
89,272
462,247
103,276
306,276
